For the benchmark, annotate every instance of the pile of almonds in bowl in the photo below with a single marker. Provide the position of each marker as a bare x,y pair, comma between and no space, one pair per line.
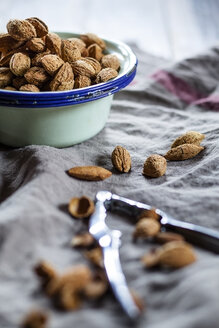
32,59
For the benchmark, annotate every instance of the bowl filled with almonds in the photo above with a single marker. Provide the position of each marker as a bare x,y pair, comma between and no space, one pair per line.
57,88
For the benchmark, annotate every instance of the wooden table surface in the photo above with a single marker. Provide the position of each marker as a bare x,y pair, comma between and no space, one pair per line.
173,29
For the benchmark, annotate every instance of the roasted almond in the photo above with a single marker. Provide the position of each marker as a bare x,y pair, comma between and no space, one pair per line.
19,64
51,63
36,75
82,81
95,51
111,61
40,27
91,38
64,79
190,137
183,152
5,77
155,166
29,88
21,30
69,52
146,227
121,159
53,43
106,74
92,173
36,45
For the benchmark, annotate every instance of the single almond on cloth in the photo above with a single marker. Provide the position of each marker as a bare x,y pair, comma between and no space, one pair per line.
81,207
95,51
90,38
146,227
190,137
53,43
36,45
37,76
183,152
90,173
35,319
83,67
121,159
5,77
110,61
166,237
19,64
82,81
69,52
40,27
51,63
83,240
64,79
29,88
155,166
21,30
175,254
106,74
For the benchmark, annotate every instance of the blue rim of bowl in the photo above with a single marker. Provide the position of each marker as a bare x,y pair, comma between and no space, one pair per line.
74,96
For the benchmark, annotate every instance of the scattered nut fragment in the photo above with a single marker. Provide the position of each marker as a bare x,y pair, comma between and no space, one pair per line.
166,237
155,166
91,38
121,159
36,45
51,63
5,77
175,254
146,227
29,88
82,81
40,27
190,137
183,152
95,256
21,30
35,319
81,207
45,271
90,173
110,61
53,43
64,79
36,75
149,214
19,64
95,51
69,52
83,240
106,74
82,67
97,287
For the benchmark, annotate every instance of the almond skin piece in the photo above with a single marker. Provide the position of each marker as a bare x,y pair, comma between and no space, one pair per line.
175,254
29,88
81,207
146,227
95,51
183,152
90,173
64,79
53,43
106,74
155,166
51,63
37,76
121,159
82,81
69,52
5,77
190,137
19,64
110,61
90,38
40,27
35,319
36,45
21,30
82,67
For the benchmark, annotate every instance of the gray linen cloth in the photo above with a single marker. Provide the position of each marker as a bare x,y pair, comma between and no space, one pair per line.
35,190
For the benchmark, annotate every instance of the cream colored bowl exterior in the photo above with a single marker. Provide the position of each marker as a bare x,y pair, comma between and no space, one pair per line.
54,126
